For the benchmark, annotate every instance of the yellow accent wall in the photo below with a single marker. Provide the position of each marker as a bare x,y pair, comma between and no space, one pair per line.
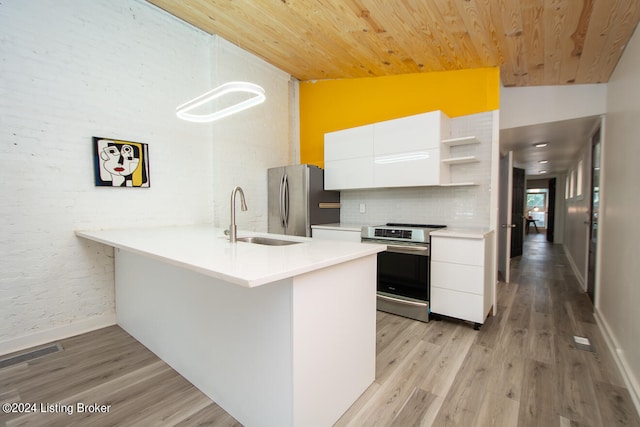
329,105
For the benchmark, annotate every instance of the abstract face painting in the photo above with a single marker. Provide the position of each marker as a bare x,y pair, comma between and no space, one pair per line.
121,163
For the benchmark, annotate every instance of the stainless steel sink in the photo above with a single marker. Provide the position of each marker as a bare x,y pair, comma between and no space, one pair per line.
266,241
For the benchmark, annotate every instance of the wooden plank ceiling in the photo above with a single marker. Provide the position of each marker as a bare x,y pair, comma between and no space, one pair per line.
535,42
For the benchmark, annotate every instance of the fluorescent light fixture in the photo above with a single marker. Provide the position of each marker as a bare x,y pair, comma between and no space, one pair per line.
543,171
183,111
543,161
403,157
540,144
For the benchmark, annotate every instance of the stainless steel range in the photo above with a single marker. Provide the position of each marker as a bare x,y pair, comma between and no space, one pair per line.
404,268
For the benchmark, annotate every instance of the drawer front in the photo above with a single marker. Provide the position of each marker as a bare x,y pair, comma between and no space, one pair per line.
458,251
460,305
458,277
324,234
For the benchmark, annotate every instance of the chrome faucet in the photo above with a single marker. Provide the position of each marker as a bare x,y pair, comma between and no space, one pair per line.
233,229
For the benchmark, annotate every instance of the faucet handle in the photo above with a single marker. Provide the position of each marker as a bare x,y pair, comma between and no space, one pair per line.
226,232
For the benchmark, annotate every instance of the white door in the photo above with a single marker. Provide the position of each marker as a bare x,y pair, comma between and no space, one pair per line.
505,216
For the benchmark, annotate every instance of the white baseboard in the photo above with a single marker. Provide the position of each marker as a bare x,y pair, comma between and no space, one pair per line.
576,272
618,355
57,333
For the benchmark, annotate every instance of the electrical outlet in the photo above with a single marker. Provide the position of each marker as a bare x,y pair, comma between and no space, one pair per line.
362,208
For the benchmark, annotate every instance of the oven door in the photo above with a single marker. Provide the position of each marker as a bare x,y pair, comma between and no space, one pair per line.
403,280
404,271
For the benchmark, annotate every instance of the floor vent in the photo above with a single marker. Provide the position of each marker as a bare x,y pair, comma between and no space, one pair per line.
30,355
582,343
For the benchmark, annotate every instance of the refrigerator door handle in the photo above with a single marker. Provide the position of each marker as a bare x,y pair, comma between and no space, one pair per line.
285,201
281,201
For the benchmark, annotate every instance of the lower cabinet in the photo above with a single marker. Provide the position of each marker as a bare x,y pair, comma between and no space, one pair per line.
461,279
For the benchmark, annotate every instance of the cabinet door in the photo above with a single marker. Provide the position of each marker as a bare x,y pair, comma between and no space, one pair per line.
349,143
407,169
407,150
348,158
348,174
407,134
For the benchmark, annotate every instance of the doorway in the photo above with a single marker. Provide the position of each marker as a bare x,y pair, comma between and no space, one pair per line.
551,211
594,209
541,206
517,209
505,220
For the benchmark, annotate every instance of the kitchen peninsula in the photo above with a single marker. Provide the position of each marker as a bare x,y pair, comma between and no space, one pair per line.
276,335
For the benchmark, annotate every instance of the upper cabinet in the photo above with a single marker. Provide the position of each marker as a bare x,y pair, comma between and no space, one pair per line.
348,158
407,150
403,152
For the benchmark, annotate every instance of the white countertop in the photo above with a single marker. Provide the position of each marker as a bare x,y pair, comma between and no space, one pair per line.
462,233
207,250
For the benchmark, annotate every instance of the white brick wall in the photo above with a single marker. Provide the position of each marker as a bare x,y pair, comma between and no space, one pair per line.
244,149
76,69
452,206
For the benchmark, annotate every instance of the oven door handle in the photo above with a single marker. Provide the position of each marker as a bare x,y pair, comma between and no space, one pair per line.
408,248
402,301
405,249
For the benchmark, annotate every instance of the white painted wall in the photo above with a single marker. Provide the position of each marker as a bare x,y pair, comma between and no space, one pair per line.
76,69
618,290
524,106
577,211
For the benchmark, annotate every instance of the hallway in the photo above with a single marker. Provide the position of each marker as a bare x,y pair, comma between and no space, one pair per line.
532,338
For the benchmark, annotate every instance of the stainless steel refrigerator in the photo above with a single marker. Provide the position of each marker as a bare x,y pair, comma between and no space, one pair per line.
297,200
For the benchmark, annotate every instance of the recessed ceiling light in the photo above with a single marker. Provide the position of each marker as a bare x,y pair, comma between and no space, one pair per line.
543,171
540,144
543,161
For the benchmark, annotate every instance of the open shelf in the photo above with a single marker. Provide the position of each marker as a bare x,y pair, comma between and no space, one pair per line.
460,160
466,140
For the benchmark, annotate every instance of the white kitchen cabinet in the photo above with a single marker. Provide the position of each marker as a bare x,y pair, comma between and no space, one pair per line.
402,152
407,169
348,158
412,133
336,232
407,150
461,279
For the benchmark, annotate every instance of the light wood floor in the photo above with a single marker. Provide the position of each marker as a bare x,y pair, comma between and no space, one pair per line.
520,369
